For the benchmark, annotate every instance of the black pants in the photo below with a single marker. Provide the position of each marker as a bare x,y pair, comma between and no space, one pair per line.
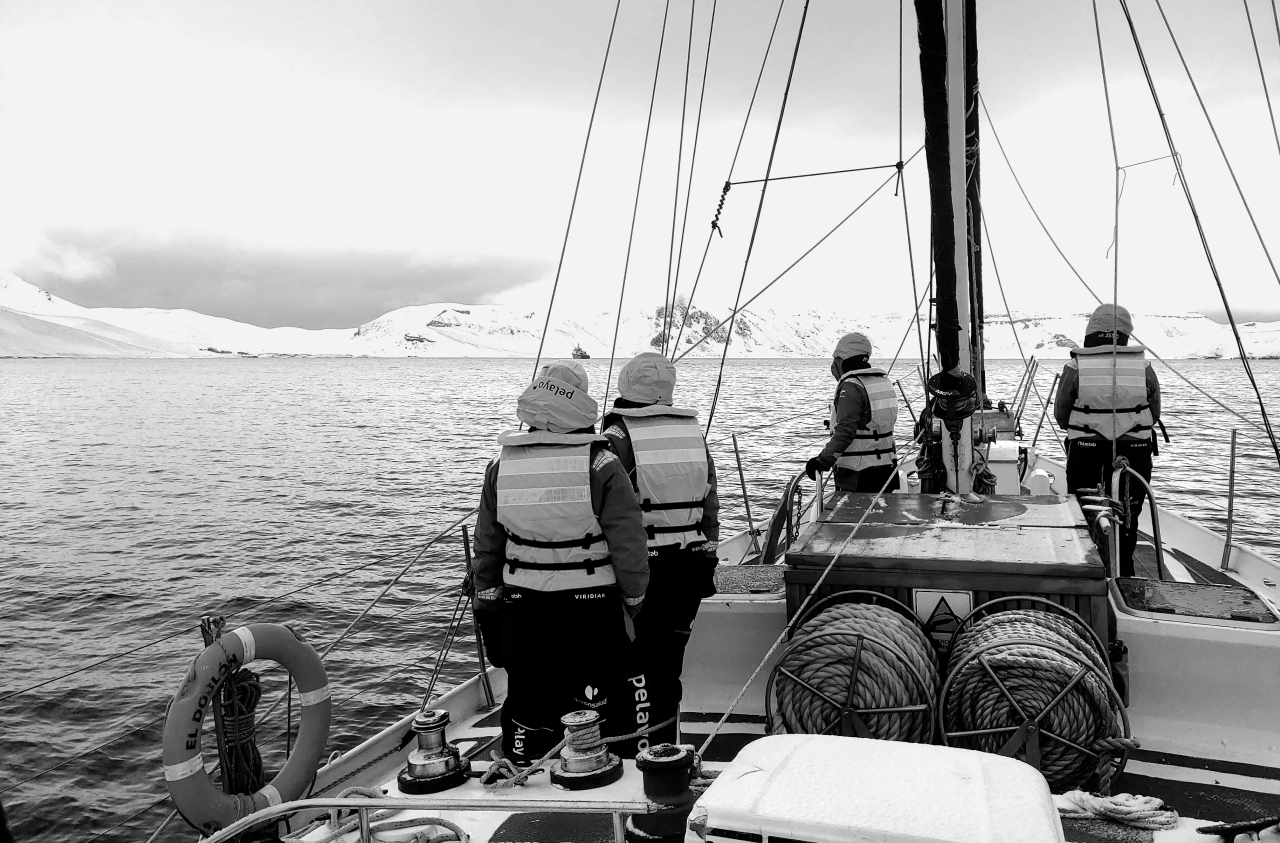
562,651
868,479
651,690
1089,463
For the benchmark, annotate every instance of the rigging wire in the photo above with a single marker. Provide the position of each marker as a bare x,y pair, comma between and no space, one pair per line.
911,260
1119,175
1048,234
582,164
1204,109
133,817
1262,74
755,226
635,208
796,262
668,300
811,175
1204,241
688,192
746,121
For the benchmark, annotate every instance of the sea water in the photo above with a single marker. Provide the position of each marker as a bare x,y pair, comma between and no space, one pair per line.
138,495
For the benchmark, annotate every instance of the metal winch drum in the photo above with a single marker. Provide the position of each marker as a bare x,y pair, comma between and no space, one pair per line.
435,764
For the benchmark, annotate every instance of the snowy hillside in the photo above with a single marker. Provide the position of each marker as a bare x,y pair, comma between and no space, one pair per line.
34,323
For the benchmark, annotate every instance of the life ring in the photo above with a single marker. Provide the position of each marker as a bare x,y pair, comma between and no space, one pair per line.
196,797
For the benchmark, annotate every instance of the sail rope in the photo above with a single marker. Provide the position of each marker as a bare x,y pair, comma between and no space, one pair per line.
635,208
813,593
755,225
746,121
911,257
688,192
1089,288
1204,240
796,262
582,164
667,298
1262,74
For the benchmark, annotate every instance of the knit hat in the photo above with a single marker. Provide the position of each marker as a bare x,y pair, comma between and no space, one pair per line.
557,400
852,345
648,378
1108,318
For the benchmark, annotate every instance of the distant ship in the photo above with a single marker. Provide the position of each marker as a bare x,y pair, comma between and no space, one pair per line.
580,353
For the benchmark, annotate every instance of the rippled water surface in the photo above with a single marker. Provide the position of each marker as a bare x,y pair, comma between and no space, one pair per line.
137,495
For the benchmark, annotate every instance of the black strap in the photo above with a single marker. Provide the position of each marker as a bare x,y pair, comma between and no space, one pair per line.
588,565
585,542
1162,430
654,532
1137,409
877,452
648,505
1095,432
872,435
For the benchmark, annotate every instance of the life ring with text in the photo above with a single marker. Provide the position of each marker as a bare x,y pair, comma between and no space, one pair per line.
197,799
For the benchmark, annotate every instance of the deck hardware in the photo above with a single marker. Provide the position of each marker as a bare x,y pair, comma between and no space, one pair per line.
585,762
1231,502
1044,411
435,764
667,769
746,501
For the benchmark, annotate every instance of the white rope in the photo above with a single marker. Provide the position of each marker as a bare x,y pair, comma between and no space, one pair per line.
1145,812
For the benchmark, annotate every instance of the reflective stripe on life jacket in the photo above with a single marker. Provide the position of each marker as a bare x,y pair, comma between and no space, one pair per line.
554,540
873,445
671,472
1111,402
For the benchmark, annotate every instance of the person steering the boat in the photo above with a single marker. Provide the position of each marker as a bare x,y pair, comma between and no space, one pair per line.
865,408
1109,394
666,458
560,552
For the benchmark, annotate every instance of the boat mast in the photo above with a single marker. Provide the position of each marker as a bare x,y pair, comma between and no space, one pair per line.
958,476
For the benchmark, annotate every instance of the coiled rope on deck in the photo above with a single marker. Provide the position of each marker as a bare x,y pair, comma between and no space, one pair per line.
1145,812
1028,682
861,659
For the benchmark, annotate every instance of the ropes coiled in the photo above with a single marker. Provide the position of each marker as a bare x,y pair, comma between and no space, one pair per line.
1030,674
862,657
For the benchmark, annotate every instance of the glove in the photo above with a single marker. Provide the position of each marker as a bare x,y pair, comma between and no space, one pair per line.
811,468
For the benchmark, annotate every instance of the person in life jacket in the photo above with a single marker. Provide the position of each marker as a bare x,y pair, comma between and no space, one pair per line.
666,458
1109,396
862,448
560,553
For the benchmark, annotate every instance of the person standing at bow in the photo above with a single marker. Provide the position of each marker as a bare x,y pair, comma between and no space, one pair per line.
862,448
560,551
663,452
1109,396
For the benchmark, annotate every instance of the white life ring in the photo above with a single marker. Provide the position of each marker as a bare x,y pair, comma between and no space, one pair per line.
197,799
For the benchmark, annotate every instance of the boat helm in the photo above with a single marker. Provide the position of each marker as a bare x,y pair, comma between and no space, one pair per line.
648,378
558,400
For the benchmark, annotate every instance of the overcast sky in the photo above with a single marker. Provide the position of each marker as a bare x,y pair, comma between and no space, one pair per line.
317,163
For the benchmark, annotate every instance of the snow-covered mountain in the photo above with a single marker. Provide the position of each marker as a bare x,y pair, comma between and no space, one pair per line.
35,323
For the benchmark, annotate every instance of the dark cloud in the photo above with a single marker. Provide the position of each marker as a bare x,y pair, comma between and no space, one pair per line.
262,286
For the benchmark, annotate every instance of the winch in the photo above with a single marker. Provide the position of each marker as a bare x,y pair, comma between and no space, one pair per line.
585,762
435,764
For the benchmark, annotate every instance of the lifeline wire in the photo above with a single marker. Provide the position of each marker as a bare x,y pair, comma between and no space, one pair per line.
755,226
1204,241
635,209
688,193
577,184
741,135
796,262
1048,234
